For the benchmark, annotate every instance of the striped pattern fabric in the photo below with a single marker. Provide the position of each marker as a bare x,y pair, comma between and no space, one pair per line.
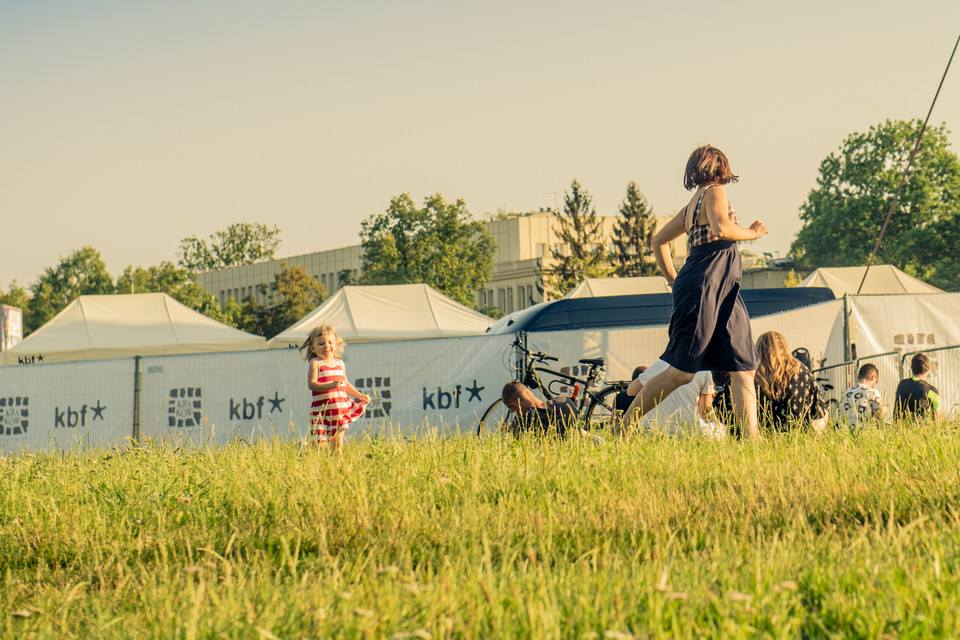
332,411
699,234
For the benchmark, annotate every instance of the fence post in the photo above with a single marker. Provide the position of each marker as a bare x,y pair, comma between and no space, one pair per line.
137,371
848,349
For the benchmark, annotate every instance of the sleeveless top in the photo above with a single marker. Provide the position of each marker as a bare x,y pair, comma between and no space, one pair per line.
699,234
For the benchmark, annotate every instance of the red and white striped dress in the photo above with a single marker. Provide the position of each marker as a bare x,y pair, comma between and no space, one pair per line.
332,411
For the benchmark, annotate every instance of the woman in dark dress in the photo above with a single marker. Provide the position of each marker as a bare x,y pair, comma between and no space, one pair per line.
709,328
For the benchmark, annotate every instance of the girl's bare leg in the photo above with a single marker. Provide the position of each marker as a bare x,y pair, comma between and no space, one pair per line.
338,442
744,396
652,393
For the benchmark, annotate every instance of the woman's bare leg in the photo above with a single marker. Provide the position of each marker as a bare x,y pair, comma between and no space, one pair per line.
652,393
744,396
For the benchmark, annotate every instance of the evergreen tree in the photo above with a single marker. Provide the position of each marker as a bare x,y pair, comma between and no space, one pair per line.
633,231
581,254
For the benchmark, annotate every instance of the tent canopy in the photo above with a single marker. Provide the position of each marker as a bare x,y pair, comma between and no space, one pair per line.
599,287
387,312
119,326
882,279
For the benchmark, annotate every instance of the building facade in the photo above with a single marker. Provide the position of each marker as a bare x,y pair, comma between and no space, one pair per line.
525,245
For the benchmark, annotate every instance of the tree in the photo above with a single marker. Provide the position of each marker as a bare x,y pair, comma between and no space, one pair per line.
439,244
81,273
345,278
632,233
843,215
582,254
294,294
240,243
176,282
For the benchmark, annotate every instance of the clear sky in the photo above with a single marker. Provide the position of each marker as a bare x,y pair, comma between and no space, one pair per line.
129,125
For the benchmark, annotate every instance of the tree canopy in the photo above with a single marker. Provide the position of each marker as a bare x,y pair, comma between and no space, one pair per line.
293,295
843,214
439,244
240,243
632,233
81,273
582,253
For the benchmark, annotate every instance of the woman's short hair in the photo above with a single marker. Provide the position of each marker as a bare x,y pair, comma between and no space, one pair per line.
707,165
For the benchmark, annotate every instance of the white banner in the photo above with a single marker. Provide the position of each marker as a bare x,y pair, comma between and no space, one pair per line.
66,406
904,322
417,386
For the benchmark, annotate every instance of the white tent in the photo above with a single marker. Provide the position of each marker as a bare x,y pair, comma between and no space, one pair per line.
598,287
118,326
882,278
387,312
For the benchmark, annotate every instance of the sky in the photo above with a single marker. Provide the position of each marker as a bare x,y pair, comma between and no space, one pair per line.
130,125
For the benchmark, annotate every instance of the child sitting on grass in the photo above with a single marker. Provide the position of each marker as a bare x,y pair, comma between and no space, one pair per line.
861,402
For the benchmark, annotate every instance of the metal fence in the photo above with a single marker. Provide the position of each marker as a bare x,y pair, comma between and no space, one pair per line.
893,367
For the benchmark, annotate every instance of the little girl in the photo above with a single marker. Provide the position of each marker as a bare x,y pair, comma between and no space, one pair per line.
332,409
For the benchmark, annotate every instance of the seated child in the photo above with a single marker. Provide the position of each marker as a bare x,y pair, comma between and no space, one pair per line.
861,402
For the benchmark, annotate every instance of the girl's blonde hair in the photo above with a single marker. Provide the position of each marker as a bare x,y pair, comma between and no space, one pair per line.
319,332
777,365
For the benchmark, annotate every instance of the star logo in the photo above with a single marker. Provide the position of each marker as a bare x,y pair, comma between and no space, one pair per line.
474,391
97,411
275,402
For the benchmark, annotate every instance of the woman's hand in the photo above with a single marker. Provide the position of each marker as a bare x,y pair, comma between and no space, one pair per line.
364,398
759,228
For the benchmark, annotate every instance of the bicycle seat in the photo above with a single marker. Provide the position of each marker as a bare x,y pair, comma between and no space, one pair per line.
594,362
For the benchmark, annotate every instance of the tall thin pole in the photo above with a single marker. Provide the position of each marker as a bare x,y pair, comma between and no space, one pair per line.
906,170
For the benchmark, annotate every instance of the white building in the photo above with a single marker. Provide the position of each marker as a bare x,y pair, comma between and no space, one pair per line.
523,242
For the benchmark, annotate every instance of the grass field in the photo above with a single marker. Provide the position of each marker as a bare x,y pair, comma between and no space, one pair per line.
797,536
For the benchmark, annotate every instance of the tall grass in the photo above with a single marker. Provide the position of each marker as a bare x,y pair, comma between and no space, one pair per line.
797,536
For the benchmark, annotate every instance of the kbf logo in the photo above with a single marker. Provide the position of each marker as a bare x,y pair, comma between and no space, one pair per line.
71,418
244,409
14,416
444,399
185,407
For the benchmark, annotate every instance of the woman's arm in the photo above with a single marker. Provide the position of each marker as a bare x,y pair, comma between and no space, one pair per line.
661,245
313,373
721,226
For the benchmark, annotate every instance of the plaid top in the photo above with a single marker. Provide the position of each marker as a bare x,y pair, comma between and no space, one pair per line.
700,233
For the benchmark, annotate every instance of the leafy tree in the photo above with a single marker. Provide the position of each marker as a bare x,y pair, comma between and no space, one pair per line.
843,215
345,278
294,294
582,254
439,244
240,243
81,273
633,231
176,282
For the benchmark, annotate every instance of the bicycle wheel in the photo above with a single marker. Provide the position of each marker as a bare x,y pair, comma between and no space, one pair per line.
600,413
494,420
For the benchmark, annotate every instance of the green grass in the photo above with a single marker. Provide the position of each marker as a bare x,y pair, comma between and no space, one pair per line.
836,537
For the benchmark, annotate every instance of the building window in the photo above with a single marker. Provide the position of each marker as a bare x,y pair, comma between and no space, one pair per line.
541,249
510,300
529,294
500,300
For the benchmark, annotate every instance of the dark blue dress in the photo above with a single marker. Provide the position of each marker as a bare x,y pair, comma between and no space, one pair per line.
710,328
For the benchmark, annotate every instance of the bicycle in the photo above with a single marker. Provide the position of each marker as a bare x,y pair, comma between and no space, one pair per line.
596,408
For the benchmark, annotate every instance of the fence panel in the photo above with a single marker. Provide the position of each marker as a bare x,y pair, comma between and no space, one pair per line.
66,406
944,375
